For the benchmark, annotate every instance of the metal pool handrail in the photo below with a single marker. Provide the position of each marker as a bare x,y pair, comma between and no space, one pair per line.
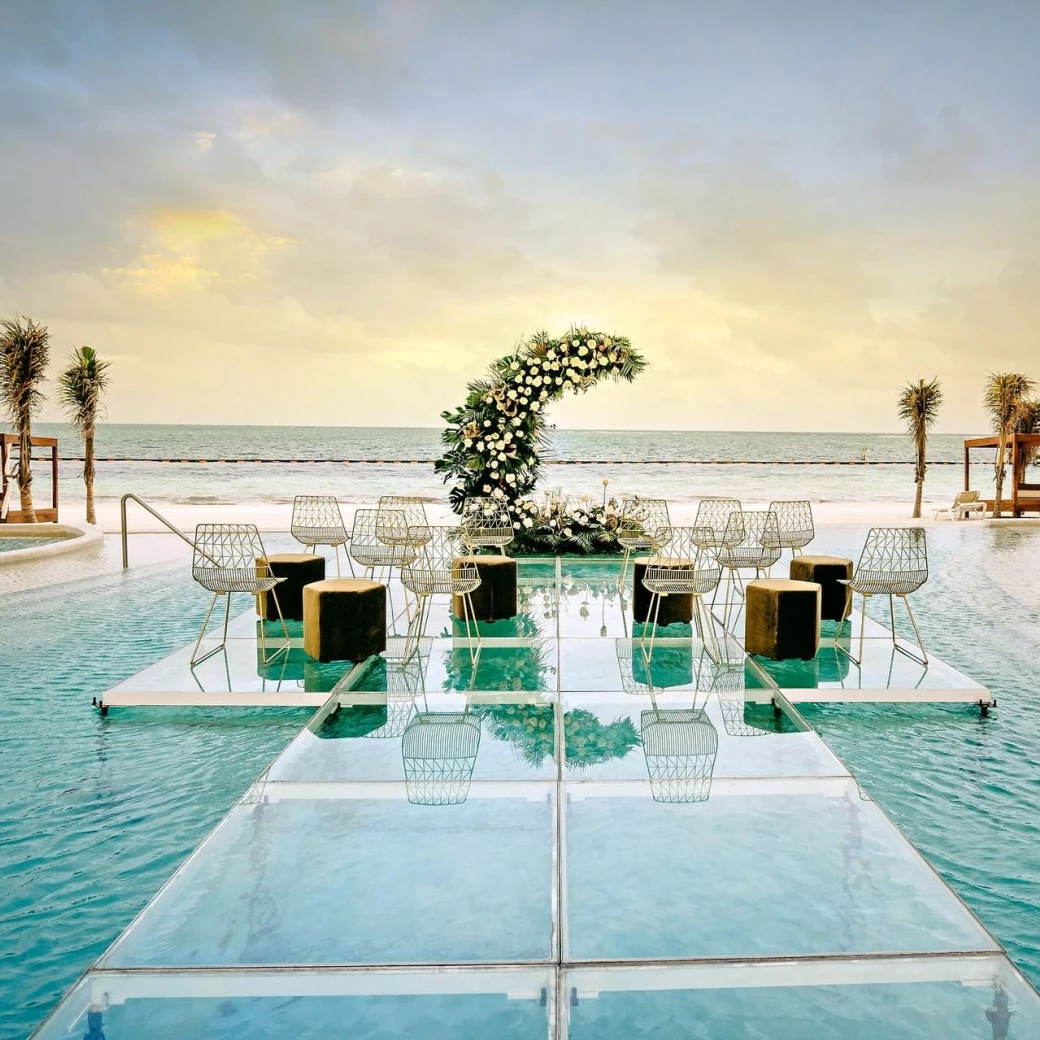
158,516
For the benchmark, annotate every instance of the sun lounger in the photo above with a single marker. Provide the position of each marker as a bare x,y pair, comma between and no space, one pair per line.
965,506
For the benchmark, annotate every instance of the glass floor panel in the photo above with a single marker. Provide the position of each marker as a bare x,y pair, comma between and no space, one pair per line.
612,736
954,998
360,878
773,873
508,1004
560,838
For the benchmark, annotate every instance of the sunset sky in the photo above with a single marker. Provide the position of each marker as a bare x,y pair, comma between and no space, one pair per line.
337,213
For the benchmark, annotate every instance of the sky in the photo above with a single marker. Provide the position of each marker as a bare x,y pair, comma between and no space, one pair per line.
321,212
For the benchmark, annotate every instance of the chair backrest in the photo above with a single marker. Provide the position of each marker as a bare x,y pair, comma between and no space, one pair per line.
723,517
795,519
680,746
648,516
486,521
895,550
443,545
688,559
226,547
965,498
316,513
411,505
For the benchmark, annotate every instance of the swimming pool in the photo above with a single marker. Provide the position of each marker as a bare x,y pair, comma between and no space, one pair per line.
961,787
96,813
11,544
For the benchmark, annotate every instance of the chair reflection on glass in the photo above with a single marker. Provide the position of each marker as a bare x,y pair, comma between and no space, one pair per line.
439,753
893,563
795,520
317,520
439,570
730,686
485,524
687,569
230,558
644,526
405,681
680,746
758,549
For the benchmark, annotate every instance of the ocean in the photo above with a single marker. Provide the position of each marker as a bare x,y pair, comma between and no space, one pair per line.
272,464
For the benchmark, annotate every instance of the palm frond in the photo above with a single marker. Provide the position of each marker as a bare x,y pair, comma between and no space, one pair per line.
24,354
81,387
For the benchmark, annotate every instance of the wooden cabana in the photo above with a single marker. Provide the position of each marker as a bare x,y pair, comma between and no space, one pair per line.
9,450
1023,497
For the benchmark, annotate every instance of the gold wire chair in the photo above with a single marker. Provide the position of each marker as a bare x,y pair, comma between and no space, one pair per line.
230,558
795,520
485,524
644,526
437,570
688,569
757,550
721,521
893,563
317,520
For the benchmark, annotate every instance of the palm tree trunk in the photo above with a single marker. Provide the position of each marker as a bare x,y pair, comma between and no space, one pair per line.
917,498
919,475
25,469
88,473
998,505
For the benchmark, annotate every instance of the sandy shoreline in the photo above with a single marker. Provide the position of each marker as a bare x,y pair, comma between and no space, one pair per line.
274,517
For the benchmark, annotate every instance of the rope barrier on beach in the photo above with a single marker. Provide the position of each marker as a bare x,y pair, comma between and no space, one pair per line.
558,462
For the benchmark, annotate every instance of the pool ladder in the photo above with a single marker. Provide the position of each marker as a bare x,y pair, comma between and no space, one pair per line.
158,516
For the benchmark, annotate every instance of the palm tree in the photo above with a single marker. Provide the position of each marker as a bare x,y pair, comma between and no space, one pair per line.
81,386
1027,421
919,408
1005,395
24,353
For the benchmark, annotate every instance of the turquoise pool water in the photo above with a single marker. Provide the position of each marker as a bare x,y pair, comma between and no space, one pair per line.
9,544
963,788
96,813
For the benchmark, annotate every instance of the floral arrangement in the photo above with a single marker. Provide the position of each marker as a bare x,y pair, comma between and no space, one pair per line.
493,441
587,741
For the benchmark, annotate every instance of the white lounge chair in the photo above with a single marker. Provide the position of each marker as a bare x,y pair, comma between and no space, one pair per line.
965,506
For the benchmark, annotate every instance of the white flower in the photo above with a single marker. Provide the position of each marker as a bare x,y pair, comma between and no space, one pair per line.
543,395
467,443
574,342
494,463
487,488
535,405
559,380
487,422
480,445
584,350
516,525
498,493
550,353
502,456
520,434
514,365
537,381
511,394
510,478
567,531
528,522
590,342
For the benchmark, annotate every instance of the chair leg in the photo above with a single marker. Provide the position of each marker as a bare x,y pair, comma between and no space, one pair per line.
285,631
862,633
339,573
202,632
468,613
923,659
624,571
656,613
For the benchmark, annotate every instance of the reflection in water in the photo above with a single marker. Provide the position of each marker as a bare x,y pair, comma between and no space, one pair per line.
729,683
439,753
680,746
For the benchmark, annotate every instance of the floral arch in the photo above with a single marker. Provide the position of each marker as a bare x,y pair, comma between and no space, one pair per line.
493,440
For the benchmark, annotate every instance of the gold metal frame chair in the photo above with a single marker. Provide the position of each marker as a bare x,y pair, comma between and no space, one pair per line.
687,570
644,526
757,550
317,520
230,558
893,563
485,524
437,570
795,519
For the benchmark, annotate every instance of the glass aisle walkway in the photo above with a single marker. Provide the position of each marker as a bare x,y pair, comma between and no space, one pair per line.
559,841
